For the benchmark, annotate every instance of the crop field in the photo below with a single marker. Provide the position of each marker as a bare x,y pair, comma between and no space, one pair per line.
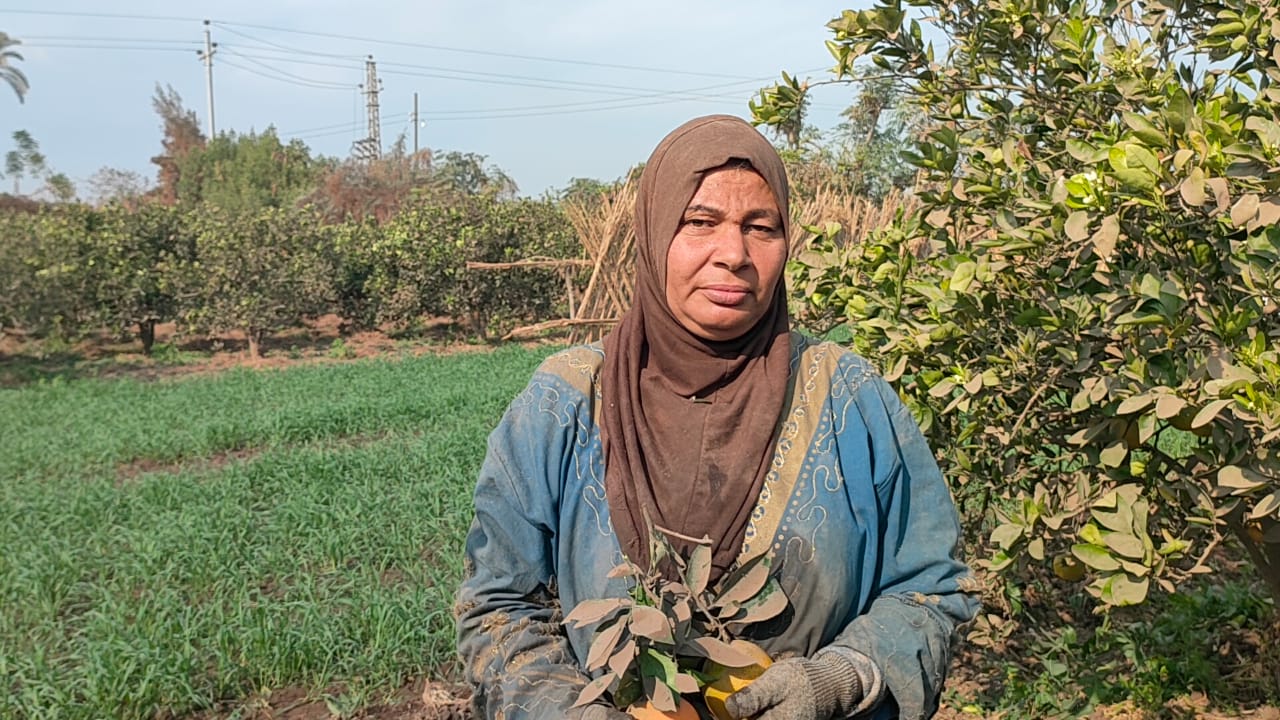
174,546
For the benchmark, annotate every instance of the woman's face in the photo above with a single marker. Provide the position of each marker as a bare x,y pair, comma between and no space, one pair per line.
727,255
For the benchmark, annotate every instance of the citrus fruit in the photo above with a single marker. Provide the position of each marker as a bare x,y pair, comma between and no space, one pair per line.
726,681
684,711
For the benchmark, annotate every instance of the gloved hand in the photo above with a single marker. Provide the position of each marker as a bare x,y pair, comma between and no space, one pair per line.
828,685
598,712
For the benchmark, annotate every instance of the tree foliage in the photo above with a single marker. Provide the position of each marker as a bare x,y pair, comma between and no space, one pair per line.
182,136
12,76
246,172
1083,313
257,271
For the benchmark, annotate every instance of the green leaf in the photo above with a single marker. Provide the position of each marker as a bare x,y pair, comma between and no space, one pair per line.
1126,545
1090,534
1006,535
1096,557
962,278
1114,454
1121,590
1145,130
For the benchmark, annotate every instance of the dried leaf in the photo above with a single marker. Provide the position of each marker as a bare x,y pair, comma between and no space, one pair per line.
686,683
1135,404
1245,209
1238,478
721,652
602,647
662,697
1193,189
1209,412
626,655
1221,193
624,570
1267,506
1105,238
1077,226
699,569
765,606
1168,406
593,611
745,582
594,689
650,623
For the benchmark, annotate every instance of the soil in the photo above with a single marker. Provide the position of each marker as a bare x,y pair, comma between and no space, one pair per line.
323,339
421,700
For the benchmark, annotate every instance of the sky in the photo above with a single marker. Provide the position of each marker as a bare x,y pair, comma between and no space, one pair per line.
548,90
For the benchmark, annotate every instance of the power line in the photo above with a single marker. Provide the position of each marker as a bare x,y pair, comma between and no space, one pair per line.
118,16
490,53
231,25
288,75
102,39
298,83
67,46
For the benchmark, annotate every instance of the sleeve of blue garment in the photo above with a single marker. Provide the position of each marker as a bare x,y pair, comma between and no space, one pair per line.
923,591
510,638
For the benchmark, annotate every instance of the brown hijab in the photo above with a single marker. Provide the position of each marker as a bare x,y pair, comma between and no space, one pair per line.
689,424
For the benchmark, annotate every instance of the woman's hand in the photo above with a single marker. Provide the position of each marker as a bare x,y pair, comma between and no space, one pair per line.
827,686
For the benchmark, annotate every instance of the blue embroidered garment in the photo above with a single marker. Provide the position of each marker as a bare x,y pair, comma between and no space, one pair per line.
854,511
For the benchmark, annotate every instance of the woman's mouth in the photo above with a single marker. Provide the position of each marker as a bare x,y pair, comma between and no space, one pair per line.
730,295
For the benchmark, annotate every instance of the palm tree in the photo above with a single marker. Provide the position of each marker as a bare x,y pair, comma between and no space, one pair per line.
11,74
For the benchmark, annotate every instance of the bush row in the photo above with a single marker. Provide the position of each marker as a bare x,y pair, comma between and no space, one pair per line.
70,269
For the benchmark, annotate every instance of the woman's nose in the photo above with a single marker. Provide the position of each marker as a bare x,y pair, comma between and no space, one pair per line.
731,249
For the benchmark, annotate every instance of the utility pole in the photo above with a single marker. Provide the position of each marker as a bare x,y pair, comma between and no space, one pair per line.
207,57
370,148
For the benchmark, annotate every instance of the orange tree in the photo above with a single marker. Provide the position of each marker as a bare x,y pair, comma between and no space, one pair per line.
137,254
256,271
1083,312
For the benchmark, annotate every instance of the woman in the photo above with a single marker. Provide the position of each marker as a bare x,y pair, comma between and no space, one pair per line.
703,412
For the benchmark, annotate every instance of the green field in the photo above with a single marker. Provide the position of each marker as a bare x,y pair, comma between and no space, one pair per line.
182,544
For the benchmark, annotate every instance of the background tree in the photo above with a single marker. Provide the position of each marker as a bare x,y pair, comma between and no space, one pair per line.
182,135
60,187
1084,312
12,75
138,253
24,160
113,185
257,270
376,188
246,172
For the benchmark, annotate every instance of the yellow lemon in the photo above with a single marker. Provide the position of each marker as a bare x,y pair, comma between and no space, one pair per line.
729,680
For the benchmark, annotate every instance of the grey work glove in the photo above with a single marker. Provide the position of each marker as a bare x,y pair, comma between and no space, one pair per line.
831,684
598,712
